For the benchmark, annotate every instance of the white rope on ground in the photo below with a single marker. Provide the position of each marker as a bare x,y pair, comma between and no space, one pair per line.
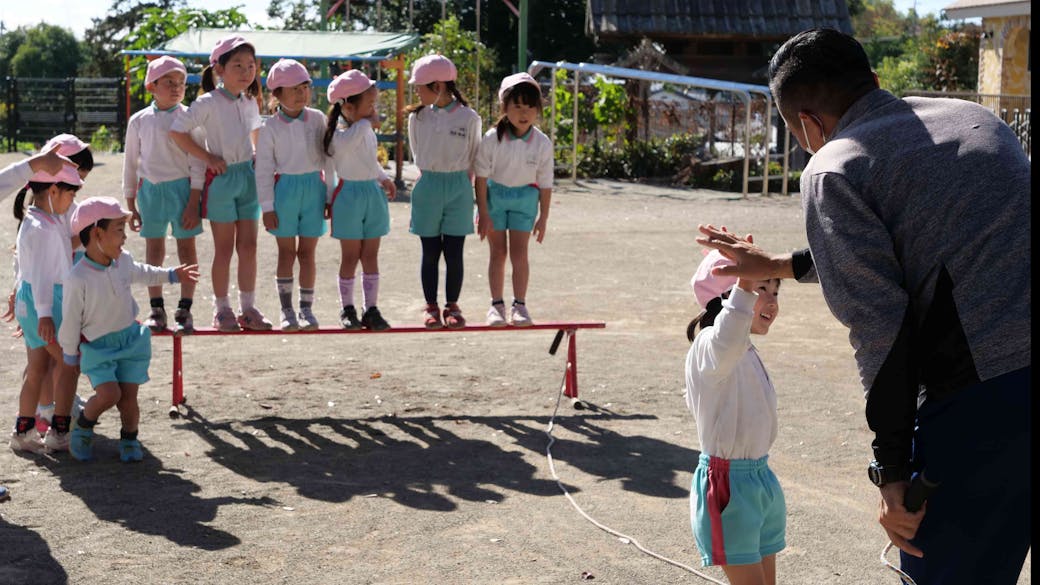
906,578
625,539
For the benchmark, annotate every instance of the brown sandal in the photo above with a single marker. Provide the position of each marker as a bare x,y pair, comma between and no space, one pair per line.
433,317
453,318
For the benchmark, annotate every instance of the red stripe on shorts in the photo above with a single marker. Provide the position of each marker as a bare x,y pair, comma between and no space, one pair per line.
718,499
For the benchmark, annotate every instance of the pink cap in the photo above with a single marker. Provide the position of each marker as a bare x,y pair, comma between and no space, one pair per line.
432,68
287,73
226,45
707,286
347,84
68,144
67,174
161,66
516,79
92,209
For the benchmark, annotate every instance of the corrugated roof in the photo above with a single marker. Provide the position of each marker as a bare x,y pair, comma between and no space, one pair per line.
978,3
318,45
696,18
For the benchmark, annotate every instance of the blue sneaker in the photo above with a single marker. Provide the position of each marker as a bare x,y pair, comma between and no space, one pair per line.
81,442
130,450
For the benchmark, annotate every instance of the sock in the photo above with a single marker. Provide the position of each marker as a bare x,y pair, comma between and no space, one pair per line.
497,302
45,411
517,302
184,304
60,424
306,298
156,302
24,424
346,291
285,286
246,300
370,289
222,302
84,422
127,435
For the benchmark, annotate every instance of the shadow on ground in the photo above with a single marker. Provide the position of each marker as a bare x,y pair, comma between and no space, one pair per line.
407,458
26,558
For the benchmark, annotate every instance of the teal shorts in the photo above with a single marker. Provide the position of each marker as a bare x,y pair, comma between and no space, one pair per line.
299,202
737,511
359,211
162,205
120,356
231,196
512,208
442,205
29,320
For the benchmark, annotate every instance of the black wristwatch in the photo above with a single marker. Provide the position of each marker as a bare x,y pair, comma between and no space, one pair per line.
882,474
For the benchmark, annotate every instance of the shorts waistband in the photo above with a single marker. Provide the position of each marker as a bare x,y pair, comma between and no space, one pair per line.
444,173
161,183
735,464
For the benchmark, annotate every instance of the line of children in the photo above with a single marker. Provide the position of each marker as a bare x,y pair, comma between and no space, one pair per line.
737,507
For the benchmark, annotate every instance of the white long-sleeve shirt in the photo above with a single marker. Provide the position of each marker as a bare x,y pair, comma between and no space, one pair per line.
13,177
288,146
226,121
354,156
151,154
515,162
44,256
727,387
98,299
444,139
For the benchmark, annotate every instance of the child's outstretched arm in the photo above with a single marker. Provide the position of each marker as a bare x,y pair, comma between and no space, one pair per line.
148,275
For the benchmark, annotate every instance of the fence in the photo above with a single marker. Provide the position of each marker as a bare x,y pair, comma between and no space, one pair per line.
35,109
1014,110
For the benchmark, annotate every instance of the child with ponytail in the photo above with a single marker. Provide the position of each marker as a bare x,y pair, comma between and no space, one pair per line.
230,116
359,211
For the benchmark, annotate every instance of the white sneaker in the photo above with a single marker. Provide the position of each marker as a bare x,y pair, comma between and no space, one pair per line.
496,316
308,321
520,317
77,405
27,441
55,441
289,322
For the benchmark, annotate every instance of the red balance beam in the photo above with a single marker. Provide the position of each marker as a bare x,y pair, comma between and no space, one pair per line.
570,329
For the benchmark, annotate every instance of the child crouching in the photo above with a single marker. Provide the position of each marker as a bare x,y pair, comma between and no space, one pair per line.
100,309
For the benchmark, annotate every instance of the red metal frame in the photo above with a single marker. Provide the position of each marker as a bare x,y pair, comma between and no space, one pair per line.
571,375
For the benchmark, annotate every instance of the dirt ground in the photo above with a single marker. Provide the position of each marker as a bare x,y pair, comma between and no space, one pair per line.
296,463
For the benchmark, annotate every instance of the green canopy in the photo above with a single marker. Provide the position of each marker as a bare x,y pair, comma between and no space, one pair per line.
293,44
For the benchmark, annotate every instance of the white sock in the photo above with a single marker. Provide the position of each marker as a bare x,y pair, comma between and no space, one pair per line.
370,289
222,302
346,291
246,299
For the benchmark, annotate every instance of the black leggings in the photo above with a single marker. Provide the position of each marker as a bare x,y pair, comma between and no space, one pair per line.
432,248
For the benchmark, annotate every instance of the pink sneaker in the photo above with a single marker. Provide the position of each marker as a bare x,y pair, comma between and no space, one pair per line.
253,319
224,320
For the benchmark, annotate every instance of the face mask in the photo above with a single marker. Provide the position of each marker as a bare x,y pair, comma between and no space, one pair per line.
809,148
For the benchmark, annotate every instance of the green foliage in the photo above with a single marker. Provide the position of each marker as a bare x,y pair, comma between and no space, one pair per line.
106,37
639,159
9,43
448,38
104,141
46,51
602,107
724,180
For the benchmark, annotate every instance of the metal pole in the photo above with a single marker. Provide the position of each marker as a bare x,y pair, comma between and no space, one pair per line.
521,46
399,119
787,158
476,85
552,101
768,131
574,130
747,141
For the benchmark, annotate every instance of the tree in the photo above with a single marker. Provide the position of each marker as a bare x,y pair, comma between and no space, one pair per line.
448,38
103,41
47,51
9,44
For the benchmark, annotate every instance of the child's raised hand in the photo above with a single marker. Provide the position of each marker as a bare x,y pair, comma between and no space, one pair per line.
187,272
390,188
270,221
45,329
49,162
216,163
539,229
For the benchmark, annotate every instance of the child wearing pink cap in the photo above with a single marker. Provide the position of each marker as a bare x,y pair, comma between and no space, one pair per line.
45,252
290,186
358,206
157,186
229,115
514,169
99,330
734,403
443,134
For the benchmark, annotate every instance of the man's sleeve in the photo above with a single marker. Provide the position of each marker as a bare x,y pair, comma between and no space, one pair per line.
803,267
861,279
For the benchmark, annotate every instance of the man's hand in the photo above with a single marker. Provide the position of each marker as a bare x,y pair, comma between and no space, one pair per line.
751,262
900,524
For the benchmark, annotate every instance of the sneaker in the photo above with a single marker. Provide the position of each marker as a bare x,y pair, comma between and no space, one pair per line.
289,322
372,320
496,316
5,494
453,318
253,319
224,320
81,442
348,318
156,321
55,441
183,324
308,322
520,317
432,317
28,441
130,450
